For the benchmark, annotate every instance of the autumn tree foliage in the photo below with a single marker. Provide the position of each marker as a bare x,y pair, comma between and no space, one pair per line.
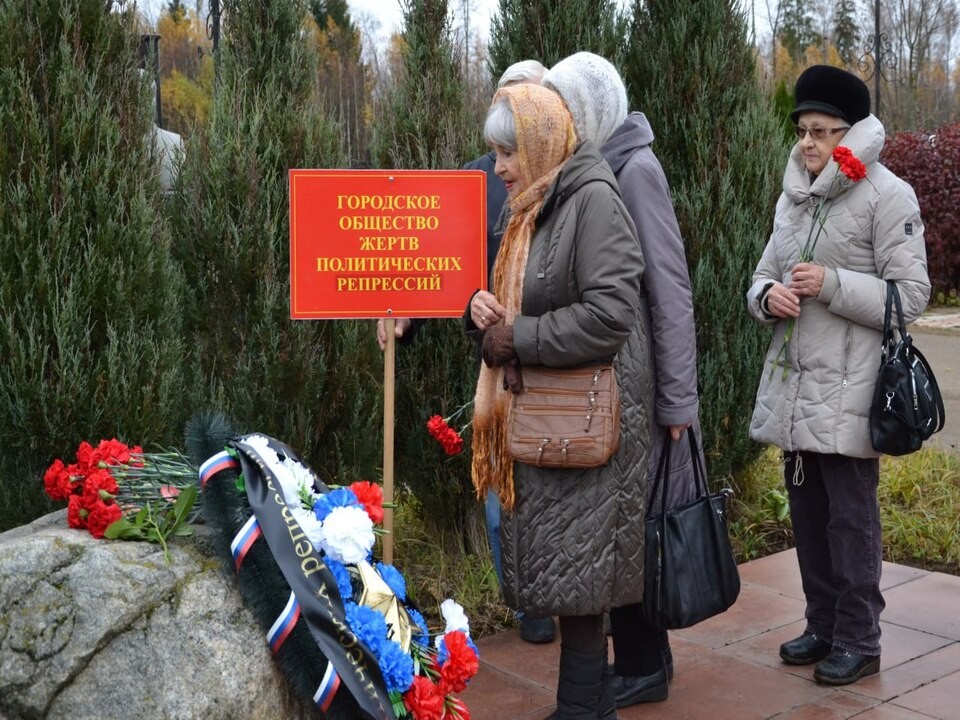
186,69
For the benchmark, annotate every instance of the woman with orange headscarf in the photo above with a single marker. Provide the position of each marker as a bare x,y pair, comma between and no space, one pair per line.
566,291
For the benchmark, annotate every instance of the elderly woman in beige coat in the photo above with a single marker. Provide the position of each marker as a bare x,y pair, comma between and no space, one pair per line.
826,306
566,291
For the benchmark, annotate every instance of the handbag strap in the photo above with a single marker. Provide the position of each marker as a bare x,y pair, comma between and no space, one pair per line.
893,301
663,470
934,386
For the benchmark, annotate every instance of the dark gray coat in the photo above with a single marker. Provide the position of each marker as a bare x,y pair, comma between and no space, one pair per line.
666,283
573,545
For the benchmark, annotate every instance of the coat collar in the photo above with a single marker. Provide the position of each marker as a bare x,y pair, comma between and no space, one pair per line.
865,139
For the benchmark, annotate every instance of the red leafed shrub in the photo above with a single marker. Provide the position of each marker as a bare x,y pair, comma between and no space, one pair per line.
930,162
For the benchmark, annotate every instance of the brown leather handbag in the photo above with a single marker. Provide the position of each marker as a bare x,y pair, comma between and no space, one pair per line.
566,417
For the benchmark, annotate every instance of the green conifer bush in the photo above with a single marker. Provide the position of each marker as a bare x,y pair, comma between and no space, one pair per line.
308,383
90,301
691,69
425,123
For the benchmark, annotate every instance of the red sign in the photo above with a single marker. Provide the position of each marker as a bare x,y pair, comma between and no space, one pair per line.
386,243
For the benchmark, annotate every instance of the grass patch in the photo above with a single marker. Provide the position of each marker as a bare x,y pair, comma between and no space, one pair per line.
920,509
437,566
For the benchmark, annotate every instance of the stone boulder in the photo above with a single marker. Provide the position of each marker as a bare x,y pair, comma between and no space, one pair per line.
104,629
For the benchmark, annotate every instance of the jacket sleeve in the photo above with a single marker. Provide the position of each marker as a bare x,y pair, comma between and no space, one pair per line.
900,255
768,271
646,196
608,270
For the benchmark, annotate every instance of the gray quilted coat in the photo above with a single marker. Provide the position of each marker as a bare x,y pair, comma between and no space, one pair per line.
873,233
573,544
666,284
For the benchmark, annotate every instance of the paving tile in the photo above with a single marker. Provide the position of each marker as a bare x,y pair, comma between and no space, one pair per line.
708,685
778,572
929,603
892,712
757,610
508,652
939,699
896,681
893,575
727,668
835,705
497,695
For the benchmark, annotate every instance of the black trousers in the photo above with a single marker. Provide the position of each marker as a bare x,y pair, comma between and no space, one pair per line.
837,533
638,648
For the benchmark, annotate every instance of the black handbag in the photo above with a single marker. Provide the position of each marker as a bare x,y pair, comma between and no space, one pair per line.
691,573
907,406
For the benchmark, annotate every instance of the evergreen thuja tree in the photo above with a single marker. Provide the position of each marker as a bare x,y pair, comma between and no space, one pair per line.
90,300
307,383
425,123
691,70
550,30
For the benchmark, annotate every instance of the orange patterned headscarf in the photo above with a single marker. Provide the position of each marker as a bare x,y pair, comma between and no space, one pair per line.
546,138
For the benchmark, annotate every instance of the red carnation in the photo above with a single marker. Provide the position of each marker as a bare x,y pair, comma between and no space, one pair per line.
423,699
850,164
448,438
84,456
101,516
370,496
57,482
461,663
76,513
111,452
97,480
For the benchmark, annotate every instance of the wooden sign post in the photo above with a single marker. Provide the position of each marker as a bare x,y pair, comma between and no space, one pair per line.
386,244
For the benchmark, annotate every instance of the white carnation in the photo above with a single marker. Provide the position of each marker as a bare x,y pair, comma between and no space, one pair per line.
347,535
311,527
455,617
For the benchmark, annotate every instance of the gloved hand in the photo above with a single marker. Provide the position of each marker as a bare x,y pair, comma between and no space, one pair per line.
498,346
513,377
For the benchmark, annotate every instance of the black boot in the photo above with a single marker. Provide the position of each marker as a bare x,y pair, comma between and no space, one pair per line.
580,686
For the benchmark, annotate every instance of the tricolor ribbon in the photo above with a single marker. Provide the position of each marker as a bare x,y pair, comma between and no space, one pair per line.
328,688
219,462
284,624
244,540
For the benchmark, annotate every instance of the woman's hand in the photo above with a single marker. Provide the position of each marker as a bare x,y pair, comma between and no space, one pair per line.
485,310
782,302
806,279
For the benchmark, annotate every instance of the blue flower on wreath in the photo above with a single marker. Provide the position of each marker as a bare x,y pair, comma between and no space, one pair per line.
341,497
424,636
392,577
343,578
396,666
368,625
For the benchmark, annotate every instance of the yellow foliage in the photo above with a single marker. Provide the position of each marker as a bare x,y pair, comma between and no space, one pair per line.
186,102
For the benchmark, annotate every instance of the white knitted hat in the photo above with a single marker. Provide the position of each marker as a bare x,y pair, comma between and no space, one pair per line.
594,93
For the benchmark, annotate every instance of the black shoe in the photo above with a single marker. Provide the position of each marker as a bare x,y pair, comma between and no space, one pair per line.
668,662
804,650
634,689
537,629
841,667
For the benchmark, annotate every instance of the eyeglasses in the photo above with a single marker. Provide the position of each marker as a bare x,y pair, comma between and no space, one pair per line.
817,133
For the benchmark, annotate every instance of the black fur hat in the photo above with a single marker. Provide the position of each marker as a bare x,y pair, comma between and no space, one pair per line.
830,90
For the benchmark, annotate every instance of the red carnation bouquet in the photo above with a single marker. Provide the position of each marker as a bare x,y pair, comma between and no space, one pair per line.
117,491
851,168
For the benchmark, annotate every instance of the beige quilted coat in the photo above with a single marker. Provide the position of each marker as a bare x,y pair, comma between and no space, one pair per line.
873,233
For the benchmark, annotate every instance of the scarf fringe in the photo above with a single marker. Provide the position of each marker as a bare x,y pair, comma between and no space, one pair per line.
492,466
